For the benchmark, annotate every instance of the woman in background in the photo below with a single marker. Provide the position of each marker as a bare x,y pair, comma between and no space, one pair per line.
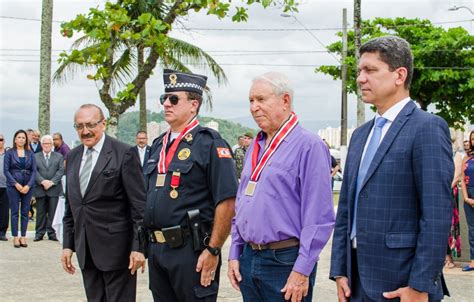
20,171
467,186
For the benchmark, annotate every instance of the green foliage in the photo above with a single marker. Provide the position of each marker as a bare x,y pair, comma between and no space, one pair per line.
129,125
444,64
110,37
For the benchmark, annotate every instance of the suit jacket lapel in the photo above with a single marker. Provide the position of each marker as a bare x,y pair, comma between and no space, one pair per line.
75,165
102,160
389,137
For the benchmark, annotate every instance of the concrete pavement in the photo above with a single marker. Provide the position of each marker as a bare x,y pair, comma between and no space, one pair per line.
35,273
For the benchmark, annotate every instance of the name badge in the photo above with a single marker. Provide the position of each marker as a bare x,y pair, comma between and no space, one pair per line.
160,180
250,188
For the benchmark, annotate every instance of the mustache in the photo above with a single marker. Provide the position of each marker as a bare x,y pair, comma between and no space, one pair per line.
88,135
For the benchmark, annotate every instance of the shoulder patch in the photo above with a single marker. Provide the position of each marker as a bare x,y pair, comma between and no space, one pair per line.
224,153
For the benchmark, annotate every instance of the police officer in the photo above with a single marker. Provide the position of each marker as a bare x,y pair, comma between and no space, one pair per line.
191,189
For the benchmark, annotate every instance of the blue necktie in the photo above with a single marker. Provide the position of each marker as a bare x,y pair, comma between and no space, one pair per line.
365,164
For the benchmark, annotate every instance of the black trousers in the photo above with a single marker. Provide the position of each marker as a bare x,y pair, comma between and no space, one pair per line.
45,209
4,208
108,286
173,276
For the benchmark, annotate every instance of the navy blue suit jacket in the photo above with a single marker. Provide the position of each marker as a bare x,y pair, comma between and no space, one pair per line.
13,171
404,209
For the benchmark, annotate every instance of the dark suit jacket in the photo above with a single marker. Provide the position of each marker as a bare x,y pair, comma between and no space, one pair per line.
147,154
38,148
13,171
54,171
404,209
108,215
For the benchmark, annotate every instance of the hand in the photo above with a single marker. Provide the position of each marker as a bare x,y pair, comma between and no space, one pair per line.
18,187
66,261
296,287
47,184
25,189
137,260
407,294
233,272
207,265
343,289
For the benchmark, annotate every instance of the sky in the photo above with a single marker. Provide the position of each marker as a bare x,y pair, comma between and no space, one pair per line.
237,47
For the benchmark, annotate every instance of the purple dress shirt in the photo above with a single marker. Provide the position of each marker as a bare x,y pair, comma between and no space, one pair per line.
293,198
63,149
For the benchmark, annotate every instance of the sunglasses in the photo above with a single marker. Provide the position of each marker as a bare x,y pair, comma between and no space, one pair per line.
174,99
1,139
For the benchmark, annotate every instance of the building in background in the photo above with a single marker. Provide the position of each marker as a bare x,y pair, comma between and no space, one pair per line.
333,136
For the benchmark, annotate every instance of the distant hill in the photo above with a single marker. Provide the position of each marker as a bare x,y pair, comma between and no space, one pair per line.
129,124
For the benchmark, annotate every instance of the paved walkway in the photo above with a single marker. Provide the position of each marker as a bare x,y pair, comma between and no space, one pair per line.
35,274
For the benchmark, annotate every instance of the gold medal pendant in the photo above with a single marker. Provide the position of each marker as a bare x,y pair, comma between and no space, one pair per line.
184,153
250,188
160,180
174,193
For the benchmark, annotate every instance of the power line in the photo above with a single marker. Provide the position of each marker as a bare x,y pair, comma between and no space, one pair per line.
278,65
258,29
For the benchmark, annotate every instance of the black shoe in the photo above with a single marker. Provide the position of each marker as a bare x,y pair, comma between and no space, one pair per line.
3,238
53,238
38,238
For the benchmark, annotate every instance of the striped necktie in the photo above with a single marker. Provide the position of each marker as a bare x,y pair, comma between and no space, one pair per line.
86,172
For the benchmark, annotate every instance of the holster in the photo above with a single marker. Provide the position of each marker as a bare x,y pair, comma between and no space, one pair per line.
194,223
173,236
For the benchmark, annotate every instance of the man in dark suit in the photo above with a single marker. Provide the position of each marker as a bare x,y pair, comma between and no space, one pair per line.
33,138
50,169
394,210
142,148
105,200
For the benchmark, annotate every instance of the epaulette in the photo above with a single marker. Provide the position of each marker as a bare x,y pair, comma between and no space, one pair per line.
159,138
214,134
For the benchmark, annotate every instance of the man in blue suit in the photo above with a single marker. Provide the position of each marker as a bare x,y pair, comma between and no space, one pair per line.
394,210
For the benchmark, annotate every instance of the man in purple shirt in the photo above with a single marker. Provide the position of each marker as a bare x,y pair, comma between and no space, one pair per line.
60,146
284,210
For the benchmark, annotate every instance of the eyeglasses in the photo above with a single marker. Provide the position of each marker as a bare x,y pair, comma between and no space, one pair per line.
174,99
90,126
1,139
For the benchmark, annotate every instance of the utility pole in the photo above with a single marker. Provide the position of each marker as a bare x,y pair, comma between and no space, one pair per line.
44,102
357,44
142,94
344,79
343,148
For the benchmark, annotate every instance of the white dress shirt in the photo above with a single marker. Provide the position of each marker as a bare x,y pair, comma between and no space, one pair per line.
141,153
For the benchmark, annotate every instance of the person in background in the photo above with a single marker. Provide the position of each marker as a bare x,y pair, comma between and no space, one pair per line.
50,169
4,206
465,148
240,141
239,154
33,138
142,148
467,186
20,171
60,146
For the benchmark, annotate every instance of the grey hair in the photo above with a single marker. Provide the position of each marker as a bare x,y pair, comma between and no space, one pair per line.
394,51
279,82
45,137
87,106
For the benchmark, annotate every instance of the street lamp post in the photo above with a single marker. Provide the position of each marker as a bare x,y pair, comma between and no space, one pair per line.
459,7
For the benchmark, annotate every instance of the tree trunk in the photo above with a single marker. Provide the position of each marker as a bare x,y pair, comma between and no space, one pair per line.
143,117
357,44
44,103
112,123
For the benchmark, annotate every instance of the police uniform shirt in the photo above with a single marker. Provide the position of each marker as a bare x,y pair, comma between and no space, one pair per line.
207,177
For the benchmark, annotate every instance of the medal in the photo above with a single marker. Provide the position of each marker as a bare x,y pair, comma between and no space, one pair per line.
175,184
166,157
277,139
174,193
160,180
250,188
183,154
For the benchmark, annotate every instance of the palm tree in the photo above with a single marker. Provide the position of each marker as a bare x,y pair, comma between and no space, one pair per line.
44,102
122,66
